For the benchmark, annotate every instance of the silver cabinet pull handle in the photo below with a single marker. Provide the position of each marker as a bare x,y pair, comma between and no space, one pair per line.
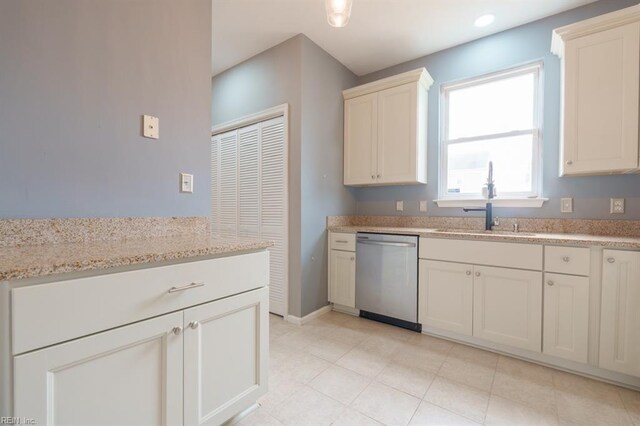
186,287
177,330
477,274
566,259
373,176
353,258
550,283
468,272
379,176
342,241
611,260
193,325
569,162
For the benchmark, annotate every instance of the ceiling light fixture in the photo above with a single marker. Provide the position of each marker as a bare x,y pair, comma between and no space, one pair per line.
338,12
484,20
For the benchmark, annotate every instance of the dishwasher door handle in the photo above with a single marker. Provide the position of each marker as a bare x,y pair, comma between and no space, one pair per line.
386,243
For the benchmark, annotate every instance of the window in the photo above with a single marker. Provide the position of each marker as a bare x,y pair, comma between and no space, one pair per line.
492,118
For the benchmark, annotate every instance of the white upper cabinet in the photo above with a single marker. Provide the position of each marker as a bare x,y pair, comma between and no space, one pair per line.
385,131
601,77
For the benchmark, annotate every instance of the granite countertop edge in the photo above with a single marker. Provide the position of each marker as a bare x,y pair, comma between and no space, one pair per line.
22,262
582,240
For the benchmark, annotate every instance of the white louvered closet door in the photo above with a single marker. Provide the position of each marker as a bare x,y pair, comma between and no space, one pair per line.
273,200
248,182
228,185
249,194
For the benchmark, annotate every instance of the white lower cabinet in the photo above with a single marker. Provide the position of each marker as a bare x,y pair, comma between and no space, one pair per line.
566,316
620,315
136,374
225,357
131,375
507,306
342,278
446,296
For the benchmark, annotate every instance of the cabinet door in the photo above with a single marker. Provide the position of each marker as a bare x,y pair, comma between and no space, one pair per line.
566,316
602,72
342,278
131,375
620,316
360,139
446,296
507,306
397,134
226,352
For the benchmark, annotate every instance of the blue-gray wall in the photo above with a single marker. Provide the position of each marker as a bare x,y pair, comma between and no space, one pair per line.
527,43
75,78
299,73
323,192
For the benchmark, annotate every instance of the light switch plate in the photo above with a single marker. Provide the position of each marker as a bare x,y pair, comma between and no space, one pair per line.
616,206
423,205
186,182
150,127
566,205
399,206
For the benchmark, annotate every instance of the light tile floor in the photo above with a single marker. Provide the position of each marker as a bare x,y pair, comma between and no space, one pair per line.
344,370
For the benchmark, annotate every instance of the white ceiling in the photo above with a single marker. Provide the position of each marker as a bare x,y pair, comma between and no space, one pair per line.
381,32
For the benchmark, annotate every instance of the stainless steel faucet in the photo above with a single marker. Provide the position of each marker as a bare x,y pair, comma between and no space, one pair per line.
491,194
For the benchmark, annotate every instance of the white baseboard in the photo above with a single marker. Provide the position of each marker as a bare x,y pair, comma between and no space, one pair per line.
305,319
346,310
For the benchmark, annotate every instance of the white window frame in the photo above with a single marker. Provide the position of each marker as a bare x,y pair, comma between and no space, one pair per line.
523,199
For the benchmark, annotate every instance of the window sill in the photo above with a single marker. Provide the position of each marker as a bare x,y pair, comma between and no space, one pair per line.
504,202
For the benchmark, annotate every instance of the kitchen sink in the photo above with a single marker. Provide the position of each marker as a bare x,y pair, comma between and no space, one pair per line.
483,232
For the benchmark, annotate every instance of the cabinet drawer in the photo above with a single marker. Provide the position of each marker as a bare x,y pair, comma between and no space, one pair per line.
54,312
508,255
341,241
567,260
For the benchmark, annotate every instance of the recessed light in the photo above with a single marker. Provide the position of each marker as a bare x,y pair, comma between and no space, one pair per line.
484,20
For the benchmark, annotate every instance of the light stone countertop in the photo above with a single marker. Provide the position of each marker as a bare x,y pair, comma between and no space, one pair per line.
582,240
29,261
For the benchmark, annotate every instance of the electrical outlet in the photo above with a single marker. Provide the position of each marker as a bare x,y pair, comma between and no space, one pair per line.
186,182
566,205
399,206
150,127
617,206
423,205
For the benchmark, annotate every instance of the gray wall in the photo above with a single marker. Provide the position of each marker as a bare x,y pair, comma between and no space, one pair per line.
520,45
75,78
301,74
270,78
323,193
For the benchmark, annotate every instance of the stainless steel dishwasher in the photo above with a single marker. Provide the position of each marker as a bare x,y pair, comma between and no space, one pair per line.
387,278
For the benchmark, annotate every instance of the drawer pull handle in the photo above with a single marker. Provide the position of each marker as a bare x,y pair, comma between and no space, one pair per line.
550,283
193,325
186,287
611,260
468,272
177,330
477,274
353,258
566,259
342,241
